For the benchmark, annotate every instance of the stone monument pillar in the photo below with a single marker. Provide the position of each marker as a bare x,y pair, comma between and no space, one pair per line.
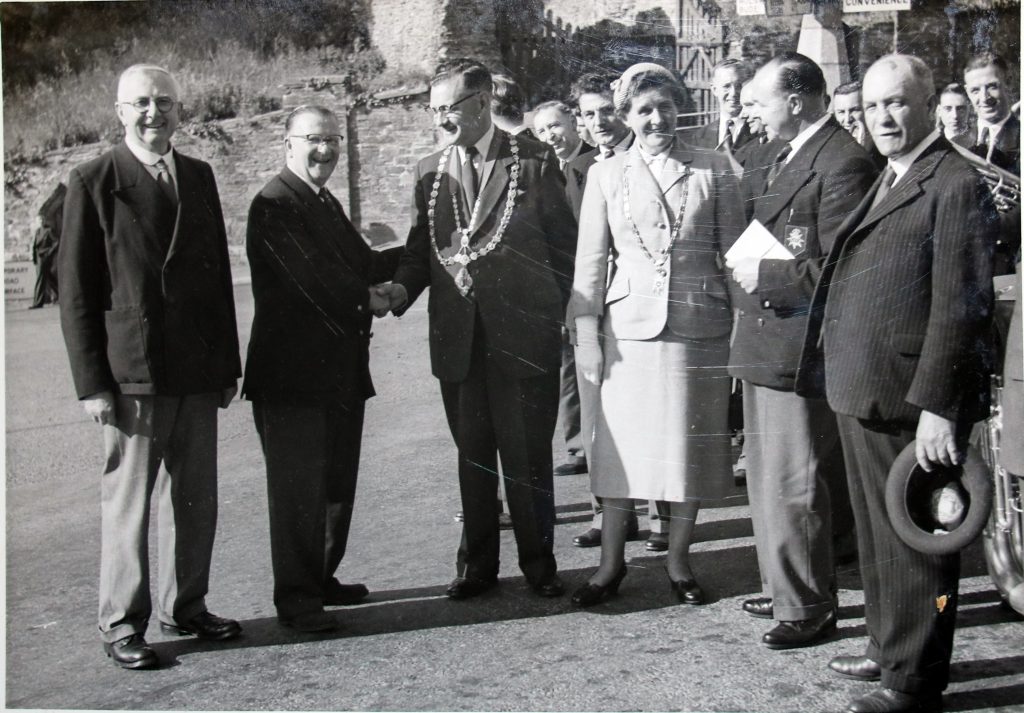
821,39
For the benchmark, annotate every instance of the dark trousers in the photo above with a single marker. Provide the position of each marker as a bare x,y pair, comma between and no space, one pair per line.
312,456
569,400
910,599
492,414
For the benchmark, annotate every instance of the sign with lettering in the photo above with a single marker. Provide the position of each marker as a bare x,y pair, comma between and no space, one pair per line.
779,8
875,5
750,7
19,280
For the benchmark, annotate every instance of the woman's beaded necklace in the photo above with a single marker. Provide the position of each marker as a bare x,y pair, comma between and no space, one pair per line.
661,274
465,255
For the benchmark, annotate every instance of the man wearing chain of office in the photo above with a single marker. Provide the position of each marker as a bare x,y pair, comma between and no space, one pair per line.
494,238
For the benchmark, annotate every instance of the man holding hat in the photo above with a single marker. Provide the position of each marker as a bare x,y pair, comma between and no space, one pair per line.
902,312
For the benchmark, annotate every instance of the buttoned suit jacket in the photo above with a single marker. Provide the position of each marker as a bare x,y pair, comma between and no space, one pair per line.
695,301
311,274
520,288
145,290
918,338
820,186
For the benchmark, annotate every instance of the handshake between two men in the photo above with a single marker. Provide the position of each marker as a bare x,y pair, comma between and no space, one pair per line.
386,298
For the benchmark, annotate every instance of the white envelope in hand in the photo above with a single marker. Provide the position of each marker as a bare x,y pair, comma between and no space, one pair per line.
758,243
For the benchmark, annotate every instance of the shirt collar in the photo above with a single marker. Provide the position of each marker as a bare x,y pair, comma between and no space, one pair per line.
572,154
312,186
993,129
150,158
902,164
621,146
482,145
804,136
654,158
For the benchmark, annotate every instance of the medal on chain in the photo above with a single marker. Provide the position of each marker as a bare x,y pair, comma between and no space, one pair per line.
465,255
659,262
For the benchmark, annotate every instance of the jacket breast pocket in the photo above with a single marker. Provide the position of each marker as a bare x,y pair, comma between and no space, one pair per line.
127,337
617,290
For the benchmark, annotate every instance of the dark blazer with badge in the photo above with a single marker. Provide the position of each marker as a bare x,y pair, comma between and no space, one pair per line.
311,273
145,290
915,336
810,198
519,289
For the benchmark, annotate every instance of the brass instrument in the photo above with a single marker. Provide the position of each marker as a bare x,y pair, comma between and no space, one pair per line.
1005,185
1004,534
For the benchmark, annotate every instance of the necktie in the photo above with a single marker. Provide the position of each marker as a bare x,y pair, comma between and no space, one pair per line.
470,179
166,182
726,142
780,163
607,152
324,197
888,177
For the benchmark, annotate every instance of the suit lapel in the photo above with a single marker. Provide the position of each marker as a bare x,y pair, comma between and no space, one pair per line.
138,190
642,184
495,176
327,220
907,189
795,174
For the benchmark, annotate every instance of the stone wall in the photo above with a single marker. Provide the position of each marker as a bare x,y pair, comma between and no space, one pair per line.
583,13
373,179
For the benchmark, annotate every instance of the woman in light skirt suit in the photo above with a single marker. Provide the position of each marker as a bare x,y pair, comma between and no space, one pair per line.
655,336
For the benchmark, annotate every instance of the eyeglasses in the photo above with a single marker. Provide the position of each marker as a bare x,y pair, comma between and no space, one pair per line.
332,140
447,109
163,104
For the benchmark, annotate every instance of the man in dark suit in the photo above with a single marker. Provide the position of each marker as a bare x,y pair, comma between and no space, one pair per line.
998,138
555,124
998,142
493,237
792,447
148,317
902,311
307,372
729,132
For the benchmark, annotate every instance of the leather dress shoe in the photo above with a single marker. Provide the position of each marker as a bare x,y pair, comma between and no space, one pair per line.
310,622
761,607
590,594
688,591
590,538
205,626
806,632
132,652
886,700
549,587
338,594
466,587
574,466
859,668
657,542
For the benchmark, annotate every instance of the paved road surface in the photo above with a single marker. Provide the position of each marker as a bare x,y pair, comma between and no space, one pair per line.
408,647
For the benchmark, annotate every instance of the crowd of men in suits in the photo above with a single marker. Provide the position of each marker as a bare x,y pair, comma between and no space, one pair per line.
873,335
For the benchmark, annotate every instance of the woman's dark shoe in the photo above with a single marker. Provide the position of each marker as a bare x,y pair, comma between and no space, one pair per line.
687,591
590,594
